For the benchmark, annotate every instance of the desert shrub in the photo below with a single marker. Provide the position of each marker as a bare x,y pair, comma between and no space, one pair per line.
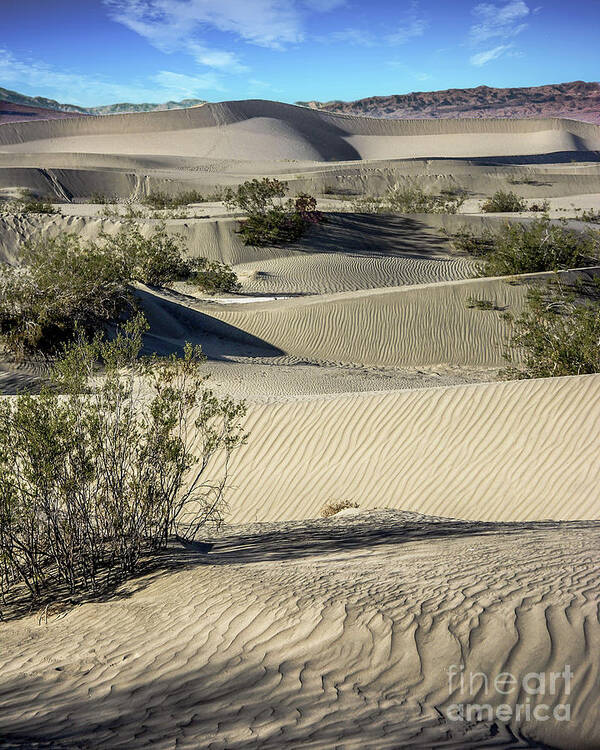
63,283
214,277
101,199
593,217
466,241
558,332
474,303
155,259
34,206
58,285
542,207
96,472
27,203
335,506
271,220
504,202
158,200
411,198
539,246
369,204
523,181
256,196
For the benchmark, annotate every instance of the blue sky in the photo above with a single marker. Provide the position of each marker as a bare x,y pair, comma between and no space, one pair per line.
90,52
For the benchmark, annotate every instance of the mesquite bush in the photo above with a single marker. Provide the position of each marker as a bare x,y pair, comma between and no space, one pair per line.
271,220
99,469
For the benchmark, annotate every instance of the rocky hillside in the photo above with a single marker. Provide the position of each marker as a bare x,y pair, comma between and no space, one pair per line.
41,103
11,112
577,100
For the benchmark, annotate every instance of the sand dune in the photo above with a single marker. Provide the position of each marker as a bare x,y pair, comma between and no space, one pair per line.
334,633
384,248
409,326
214,239
273,131
325,273
337,633
80,175
496,452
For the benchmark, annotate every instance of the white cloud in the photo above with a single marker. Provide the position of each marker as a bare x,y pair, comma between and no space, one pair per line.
84,90
412,24
481,58
186,86
214,58
177,25
498,21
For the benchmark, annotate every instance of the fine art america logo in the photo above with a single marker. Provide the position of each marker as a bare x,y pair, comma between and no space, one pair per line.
524,699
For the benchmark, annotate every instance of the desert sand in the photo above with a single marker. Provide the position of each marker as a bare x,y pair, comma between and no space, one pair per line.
475,546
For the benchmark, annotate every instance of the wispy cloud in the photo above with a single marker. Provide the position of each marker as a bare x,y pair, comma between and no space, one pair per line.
257,87
412,24
87,90
178,25
417,75
498,21
359,37
324,6
187,86
481,58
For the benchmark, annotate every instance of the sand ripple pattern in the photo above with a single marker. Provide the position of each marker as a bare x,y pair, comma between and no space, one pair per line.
496,451
411,326
324,273
334,633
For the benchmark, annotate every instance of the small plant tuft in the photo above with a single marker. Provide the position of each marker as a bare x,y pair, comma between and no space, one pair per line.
480,304
335,506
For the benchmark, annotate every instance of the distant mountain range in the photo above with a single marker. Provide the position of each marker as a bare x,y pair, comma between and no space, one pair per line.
577,100
41,103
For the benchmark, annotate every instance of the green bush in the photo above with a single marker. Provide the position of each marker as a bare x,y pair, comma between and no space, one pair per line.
271,220
101,199
466,241
541,208
155,259
593,217
63,284
160,200
539,246
480,304
504,202
60,284
411,198
96,472
213,277
27,203
558,332
38,207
